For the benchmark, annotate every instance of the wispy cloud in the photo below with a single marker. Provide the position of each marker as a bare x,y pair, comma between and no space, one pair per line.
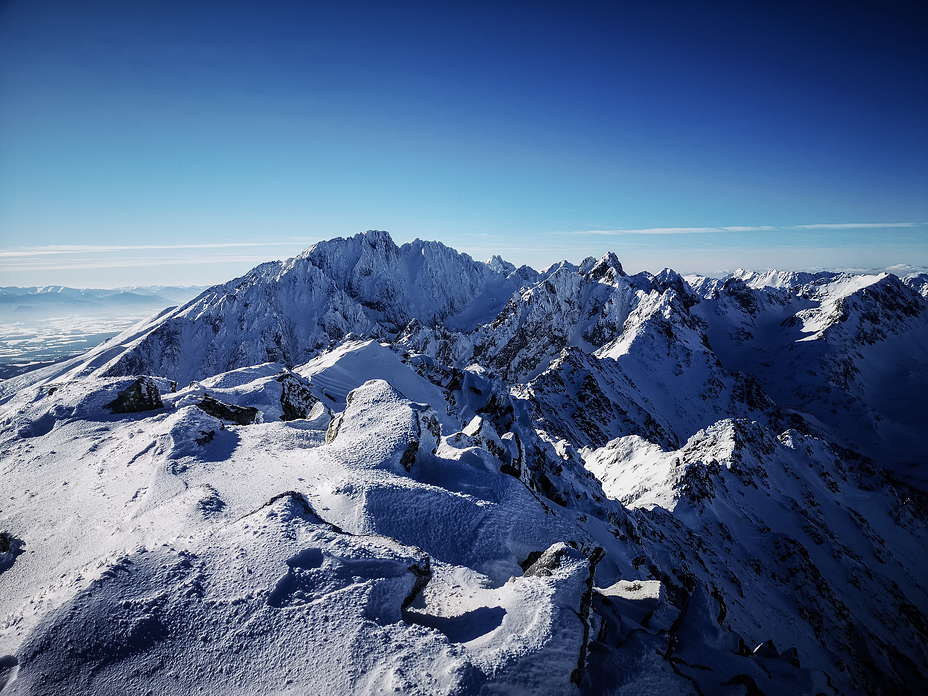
655,230
749,228
681,230
853,225
102,248
129,263
905,269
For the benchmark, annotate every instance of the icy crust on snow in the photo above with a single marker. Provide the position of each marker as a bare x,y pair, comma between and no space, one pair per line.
376,468
222,611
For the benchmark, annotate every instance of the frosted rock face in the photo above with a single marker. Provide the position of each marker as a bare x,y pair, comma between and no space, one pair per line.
243,415
141,395
296,399
391,468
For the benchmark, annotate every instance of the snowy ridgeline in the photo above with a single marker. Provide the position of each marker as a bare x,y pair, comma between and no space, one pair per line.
393,469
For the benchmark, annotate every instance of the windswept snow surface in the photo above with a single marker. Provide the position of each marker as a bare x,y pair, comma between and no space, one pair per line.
382,469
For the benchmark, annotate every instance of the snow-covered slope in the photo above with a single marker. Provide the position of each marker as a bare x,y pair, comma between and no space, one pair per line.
382,469
791,534
849,351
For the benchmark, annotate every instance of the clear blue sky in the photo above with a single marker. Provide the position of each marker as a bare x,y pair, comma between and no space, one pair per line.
184,142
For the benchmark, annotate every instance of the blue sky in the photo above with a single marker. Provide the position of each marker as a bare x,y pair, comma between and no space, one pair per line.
156,142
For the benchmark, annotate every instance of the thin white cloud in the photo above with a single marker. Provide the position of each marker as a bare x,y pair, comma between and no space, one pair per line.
750,228
901,269
132,263
655,230
92,248
853,225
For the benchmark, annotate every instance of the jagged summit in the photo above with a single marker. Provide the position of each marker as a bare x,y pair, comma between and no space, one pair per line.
500,265
608,267
287,312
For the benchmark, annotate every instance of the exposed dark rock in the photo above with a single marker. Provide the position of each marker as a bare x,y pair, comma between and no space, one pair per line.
498,410
10,548
594,556
607,268
141,395
743,296
5,540
206,436
551,492
485,437
334,426
423,573
296,399
530,560
425,419
549,561
243,415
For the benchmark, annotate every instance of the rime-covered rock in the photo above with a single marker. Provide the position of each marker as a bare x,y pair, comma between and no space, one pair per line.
141,395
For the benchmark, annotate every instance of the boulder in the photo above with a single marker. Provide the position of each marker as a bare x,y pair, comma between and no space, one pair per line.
10,548
141,395
296,400
243,415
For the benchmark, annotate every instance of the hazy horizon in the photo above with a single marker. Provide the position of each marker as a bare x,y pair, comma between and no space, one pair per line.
206,273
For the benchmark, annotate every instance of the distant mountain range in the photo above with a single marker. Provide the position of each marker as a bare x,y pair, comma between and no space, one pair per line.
381,467
59,297
40,326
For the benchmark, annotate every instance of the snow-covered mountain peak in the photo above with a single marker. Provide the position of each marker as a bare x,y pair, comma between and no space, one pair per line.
918,281
586,265
607,269
548,271
500,265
